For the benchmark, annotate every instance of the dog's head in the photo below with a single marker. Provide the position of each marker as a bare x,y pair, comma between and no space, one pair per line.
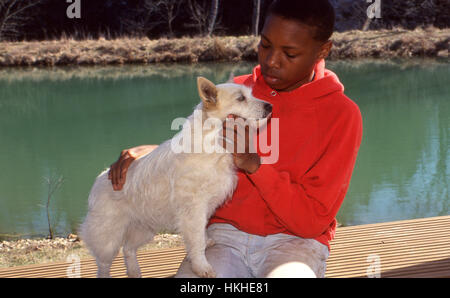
229,98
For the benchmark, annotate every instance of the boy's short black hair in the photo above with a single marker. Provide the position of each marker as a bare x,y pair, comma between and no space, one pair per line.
314,13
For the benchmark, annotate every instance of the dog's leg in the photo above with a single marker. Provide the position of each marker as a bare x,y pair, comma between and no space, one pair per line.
105,258
103,233
209,241
193,230
131,262
135,237
103,269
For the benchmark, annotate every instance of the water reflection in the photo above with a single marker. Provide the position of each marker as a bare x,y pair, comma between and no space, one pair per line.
402,170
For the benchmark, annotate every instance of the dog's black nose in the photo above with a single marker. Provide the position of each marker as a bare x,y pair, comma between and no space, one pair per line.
268,108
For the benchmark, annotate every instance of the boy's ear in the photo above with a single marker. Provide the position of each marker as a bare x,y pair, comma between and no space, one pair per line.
325,50
207,91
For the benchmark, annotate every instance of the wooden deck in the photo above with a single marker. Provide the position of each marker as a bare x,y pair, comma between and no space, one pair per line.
410,248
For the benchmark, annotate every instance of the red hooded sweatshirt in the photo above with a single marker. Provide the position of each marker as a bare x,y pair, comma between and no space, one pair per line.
320,131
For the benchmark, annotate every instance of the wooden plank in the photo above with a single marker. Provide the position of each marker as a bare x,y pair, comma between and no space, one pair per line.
155,259
408,248
403,223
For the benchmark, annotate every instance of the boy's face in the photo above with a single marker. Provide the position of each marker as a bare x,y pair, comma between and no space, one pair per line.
288,53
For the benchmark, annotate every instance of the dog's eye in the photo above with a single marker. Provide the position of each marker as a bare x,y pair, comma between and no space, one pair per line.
241,98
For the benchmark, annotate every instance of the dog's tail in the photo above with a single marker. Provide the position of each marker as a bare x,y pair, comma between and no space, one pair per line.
106,222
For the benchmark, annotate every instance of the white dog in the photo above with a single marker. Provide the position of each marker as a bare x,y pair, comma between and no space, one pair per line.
173,191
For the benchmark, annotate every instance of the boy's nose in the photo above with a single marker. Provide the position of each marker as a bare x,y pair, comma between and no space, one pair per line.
272,60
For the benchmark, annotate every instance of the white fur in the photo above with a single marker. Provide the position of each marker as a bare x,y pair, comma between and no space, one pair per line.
168,191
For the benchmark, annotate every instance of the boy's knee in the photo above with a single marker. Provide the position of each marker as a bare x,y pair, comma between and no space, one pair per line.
291,270
297,257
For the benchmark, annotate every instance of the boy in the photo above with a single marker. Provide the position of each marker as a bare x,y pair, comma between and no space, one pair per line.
281,217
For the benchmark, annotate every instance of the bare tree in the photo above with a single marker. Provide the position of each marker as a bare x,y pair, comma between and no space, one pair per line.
151,14
256,16
53,184
198,15
204,22
164,11
213,16
139,21
14,15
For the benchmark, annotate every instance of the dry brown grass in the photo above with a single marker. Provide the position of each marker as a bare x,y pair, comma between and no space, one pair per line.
430,42
37,251
125,50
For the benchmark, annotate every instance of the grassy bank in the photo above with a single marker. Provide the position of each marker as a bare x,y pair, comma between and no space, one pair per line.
430,42
37,251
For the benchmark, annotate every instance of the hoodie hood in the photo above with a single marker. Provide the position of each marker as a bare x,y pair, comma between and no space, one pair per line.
324,83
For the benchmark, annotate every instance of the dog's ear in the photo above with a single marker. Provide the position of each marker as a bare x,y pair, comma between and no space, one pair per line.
207,91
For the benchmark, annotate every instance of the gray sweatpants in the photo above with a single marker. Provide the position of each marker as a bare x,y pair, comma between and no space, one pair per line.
239,254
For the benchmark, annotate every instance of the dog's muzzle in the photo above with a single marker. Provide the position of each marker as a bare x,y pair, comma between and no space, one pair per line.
267,109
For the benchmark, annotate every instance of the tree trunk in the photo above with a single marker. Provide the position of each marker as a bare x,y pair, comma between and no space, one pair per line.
256,14
170,18
213,16
366,24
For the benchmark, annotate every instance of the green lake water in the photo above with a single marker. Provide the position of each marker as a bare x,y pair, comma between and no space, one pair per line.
73,122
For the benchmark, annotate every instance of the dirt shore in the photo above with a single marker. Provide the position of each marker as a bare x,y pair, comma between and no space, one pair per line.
37,251
428,42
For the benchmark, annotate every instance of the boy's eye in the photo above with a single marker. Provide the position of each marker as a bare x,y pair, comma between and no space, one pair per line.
265,46
290,55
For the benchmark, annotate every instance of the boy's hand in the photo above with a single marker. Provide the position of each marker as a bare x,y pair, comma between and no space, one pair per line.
243,158
118,170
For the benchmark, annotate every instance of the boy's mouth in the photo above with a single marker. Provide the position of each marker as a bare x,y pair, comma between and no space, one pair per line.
271,78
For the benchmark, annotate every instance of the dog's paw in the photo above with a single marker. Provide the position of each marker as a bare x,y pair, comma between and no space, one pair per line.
205,271
210,242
